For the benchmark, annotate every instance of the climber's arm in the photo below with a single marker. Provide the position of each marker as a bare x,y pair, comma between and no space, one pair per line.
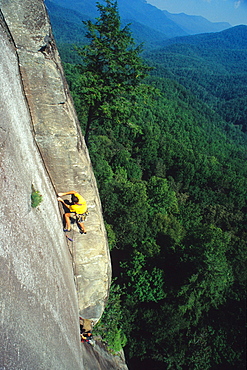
67,193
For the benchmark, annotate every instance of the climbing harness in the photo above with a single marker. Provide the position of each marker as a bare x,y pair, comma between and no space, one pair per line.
82,217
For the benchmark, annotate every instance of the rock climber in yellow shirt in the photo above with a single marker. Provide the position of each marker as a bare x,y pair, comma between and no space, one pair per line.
78,206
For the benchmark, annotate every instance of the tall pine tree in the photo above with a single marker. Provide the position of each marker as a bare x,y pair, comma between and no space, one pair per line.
111,71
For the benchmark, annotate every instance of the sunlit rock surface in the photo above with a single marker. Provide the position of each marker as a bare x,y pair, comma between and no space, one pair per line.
39,309
46,280
61,144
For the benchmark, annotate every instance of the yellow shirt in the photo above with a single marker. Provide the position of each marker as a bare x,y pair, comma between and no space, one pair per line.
80,207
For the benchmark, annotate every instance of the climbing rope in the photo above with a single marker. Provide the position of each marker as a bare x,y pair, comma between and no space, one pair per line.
72,249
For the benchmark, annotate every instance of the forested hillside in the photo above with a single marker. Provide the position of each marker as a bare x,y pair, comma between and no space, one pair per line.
212,66
169,156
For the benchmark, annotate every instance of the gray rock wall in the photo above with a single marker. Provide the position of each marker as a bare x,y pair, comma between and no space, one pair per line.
47,281
57,133
39,308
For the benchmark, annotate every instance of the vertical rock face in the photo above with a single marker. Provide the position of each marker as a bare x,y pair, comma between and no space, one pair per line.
57,133
46,281
39,309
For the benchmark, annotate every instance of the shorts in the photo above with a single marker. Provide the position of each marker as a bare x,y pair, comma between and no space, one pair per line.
82,217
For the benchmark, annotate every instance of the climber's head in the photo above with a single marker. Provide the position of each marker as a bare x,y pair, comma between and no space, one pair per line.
74,199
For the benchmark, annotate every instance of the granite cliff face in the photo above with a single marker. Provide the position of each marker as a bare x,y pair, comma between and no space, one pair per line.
47,280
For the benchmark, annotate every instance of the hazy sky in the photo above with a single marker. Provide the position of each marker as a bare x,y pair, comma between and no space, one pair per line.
231,11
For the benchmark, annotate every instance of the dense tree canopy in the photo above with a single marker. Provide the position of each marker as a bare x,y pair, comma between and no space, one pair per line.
172,176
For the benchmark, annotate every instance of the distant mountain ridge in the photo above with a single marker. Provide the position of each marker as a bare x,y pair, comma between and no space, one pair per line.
228,39
73,30
193,24
148,23
150,16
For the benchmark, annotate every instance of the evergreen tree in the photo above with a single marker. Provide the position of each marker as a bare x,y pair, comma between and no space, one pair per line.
111,70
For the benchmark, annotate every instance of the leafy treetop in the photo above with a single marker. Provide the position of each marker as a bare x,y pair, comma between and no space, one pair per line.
111,70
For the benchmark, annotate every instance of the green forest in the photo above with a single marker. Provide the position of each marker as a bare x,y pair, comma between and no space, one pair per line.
166,132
